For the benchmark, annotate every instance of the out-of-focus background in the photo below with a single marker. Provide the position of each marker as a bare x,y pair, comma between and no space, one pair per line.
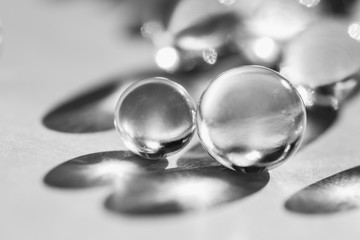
64,172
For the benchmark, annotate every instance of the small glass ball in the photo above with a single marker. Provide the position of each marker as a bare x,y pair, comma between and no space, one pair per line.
251,119
155,117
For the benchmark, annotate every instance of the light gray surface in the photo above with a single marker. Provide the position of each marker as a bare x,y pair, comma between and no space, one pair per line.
50,52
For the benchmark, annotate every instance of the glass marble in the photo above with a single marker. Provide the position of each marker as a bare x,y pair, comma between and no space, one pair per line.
197,31
324,63
155,117
201,24
268,26
280,20
251,119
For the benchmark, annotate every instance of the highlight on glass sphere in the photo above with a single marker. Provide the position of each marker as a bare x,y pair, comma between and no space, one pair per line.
251,119
155,118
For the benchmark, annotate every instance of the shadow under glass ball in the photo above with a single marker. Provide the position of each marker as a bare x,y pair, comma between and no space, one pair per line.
155,117
251,119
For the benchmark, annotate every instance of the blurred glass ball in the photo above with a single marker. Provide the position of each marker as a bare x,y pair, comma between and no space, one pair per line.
324,62
195,34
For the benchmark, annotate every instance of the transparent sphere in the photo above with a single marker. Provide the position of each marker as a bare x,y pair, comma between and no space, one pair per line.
324,61
155,117
197,25
195,34
280,20
251,119
324,54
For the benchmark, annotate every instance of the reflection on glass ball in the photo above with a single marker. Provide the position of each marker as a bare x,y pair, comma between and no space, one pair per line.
155,118
251,119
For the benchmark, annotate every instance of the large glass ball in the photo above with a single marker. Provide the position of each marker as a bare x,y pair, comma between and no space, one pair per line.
251,119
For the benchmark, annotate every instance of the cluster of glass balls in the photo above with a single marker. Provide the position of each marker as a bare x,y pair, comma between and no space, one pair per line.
249,118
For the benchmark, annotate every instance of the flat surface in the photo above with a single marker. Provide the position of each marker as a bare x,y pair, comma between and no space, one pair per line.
53,50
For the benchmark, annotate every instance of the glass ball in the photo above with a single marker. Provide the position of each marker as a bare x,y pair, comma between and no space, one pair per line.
323,62
195,34
251,119
155,117
322,55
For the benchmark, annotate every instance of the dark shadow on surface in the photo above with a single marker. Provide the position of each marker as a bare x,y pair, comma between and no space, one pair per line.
334,194
99,169
83,114
198,183
319,120
178,191
196,157
339,7
92,110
